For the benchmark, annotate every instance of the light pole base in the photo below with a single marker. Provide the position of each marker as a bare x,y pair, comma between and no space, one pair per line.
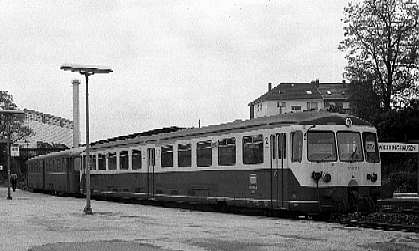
88,210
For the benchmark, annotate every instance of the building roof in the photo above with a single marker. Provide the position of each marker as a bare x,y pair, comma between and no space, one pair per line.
290,91
333,90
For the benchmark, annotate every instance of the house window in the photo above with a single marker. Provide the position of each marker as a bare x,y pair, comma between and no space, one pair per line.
123,160
295,108
312,106
184,155
204,154
167,156
136,159
227,152
253,149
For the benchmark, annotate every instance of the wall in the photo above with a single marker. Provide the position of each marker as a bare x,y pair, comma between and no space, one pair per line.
269,108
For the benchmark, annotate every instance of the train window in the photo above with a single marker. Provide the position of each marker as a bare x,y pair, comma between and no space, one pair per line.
92,162
204,153
167,156
111,161
321,146
136,159
253,149
102,161
227,152
371,147
349,145
297,146
123,160
184,155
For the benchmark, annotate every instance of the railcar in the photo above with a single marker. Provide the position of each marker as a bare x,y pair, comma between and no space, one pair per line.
310,162
57,173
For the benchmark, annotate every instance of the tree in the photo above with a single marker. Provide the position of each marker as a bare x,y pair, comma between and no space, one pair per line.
382,46
18,130
364,101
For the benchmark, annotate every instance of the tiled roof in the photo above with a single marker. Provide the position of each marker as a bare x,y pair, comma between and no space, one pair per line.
333,90
290,91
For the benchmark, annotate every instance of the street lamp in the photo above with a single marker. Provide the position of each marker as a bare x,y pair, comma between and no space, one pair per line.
9,114
86,70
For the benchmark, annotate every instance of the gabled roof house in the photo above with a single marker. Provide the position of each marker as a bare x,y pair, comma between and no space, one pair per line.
299,97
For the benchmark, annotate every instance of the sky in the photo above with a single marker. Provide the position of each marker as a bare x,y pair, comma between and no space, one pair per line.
174,62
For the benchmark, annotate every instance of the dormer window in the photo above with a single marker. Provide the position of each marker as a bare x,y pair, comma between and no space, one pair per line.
309,92
329,92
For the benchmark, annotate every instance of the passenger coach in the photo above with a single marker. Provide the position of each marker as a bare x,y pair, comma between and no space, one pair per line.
308,162
57,172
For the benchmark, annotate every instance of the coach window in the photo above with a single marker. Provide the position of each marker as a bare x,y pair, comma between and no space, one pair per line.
349,146
227,152
102,161
184,155
321,146
167,156
253,149
111,161
136,159
204,153
297,146
123,160
371,147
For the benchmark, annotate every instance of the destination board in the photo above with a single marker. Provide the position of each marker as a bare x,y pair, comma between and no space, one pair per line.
398,148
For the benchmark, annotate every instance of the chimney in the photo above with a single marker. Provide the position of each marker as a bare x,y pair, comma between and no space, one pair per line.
76,113
269,87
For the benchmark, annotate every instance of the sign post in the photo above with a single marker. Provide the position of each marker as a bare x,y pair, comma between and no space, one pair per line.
14,151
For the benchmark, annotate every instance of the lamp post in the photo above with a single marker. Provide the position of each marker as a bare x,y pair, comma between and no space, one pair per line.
9,114
86,70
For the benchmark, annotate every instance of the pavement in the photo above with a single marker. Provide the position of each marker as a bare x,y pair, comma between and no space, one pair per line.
38,222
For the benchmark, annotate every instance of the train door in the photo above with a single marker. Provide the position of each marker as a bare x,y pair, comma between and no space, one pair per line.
278,166
151,162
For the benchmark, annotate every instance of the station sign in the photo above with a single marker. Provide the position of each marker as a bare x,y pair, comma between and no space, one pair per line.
398,148
14,151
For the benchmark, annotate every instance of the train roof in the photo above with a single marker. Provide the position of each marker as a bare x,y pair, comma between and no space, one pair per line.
300,118
69,152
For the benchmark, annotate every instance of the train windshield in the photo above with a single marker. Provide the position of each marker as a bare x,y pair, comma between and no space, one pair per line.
321,146
349,145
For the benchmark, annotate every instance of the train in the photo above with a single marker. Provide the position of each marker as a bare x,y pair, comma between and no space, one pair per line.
307,162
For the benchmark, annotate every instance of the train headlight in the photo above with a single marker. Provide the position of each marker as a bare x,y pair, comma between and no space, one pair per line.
327,177
316,175
374,177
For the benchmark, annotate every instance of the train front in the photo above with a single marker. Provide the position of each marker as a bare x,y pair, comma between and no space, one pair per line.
339,166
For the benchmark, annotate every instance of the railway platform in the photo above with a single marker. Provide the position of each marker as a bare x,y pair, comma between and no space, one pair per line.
38,222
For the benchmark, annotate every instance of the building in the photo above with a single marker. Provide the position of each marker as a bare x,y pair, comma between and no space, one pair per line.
335,94
299,97
48,130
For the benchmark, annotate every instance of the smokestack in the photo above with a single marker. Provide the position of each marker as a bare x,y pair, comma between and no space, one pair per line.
76,113
269,87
